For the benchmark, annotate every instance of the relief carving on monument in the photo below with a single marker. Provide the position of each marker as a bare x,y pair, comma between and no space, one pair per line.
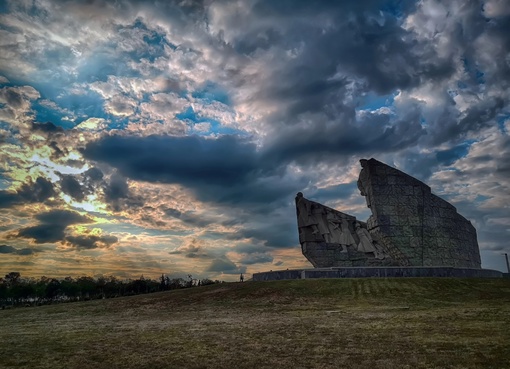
344,240
409,226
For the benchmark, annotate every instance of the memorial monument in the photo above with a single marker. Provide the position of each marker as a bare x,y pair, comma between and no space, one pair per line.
409,226
411,233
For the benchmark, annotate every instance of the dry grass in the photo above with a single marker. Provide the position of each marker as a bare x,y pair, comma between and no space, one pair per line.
347,323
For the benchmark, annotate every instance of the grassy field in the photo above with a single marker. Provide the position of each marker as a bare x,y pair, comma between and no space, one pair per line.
336,323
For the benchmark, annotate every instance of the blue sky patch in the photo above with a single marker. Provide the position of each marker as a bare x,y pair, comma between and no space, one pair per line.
191,118
372,101
212,92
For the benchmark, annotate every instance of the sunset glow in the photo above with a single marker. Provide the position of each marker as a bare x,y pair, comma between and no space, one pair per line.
171,137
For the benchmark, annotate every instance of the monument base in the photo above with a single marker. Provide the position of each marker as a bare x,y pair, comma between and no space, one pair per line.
377,272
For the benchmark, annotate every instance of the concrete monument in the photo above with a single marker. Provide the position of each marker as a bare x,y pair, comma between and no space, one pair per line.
409,226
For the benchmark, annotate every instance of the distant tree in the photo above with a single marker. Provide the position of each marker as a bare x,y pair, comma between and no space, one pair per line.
112,287
176,283
86,287
40,287
139,286
100,284
3,291
12,278
70,288
26,290
53,289
162,284
15,290
206,281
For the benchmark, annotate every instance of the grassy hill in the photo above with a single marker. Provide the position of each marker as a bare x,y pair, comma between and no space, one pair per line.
333,323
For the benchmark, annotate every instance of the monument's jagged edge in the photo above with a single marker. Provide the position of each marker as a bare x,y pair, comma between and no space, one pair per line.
409,227
330,238
377,272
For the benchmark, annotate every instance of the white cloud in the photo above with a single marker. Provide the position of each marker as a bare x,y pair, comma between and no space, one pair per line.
120,106
496,8
92,124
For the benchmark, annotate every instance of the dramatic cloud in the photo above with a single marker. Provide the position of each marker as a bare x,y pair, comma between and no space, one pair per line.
192,249
72,187
170,159
91,241
31,192
225,266
5,249
52,226
182,130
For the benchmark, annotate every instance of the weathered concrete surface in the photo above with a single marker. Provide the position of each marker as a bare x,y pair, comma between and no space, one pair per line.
415,226
377,272
409,226
331,238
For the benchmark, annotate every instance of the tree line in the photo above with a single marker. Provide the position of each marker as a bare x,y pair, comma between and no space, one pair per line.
18,291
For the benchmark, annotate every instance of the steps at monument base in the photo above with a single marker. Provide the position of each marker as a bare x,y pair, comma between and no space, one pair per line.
377,272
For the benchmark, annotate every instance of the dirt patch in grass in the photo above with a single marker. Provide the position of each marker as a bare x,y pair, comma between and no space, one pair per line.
377,323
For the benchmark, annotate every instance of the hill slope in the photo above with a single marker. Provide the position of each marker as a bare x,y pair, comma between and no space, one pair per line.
351,323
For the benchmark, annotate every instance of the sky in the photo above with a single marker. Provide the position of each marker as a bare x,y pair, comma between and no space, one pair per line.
141,138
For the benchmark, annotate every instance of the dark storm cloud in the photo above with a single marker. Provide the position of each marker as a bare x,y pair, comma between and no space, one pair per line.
314,63
43,233
308,144
116,189
26,251
52,226
225,266
277,234
359,40
8,199
170,159
345,49
5,249
117,194
47,127
188,217
227,169
94,174
370,46
62,217
31,192
478,116
57,151
91,241
72,187
39,191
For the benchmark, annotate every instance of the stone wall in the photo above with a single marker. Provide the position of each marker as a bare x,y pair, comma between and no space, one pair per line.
415,226
378,272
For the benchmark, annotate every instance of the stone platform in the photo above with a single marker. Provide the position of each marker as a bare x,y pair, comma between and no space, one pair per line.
377,272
